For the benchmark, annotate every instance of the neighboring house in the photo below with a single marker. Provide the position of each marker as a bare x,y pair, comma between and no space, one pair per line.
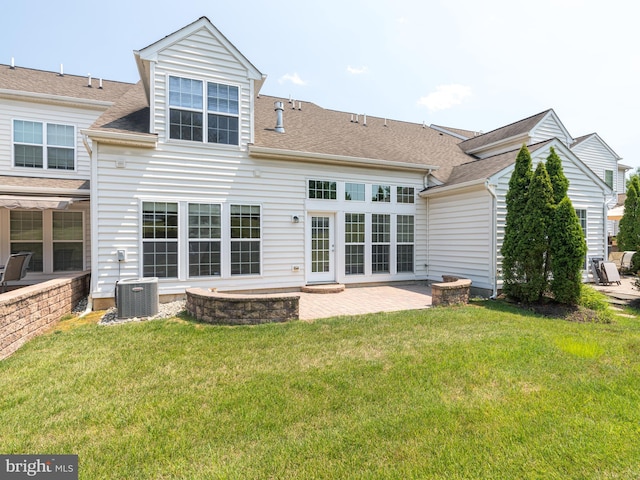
200,180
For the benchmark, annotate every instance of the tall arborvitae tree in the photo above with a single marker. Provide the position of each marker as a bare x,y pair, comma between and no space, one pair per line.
516,202
534,243
568,249
629,233
559,182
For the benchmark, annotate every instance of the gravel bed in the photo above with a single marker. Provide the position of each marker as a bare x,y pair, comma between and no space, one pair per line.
165,310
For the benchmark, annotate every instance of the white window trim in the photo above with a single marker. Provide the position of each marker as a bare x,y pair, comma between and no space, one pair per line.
45,159
204,111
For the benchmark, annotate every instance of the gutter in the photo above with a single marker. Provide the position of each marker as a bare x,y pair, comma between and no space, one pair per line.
119,138
280,154
54,99
435,190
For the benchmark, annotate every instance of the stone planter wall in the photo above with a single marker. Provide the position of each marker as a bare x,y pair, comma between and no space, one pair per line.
452,291
234,309
30,311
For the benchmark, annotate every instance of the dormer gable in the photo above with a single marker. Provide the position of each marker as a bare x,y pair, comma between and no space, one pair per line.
203,26
200,88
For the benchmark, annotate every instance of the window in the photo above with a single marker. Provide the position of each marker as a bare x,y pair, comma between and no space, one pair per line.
27,236
160,239
380,240
43,145
245,240
381,193
68,246
322,189
222,105
404,244
608,177
354,228
354,192
582,216
405,194
204,240
186,111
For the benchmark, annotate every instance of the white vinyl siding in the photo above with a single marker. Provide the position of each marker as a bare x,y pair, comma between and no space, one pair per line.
600,160
550,127
459,236
194,58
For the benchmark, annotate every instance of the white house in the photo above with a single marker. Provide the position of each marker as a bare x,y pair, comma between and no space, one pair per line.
199,179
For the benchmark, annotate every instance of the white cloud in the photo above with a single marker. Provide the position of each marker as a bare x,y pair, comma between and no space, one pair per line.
293,78
357,70
445,96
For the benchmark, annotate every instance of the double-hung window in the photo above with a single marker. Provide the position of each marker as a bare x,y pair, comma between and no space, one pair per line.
160,239
205,231
43,145
380,242
190,118
245,240
404,245
354,230
68,246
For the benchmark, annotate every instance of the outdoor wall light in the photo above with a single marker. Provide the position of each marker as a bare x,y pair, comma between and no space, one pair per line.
295,219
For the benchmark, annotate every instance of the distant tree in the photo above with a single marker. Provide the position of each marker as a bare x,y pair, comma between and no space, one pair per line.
568,248
629,232
631,177
534,245
559,182
513,248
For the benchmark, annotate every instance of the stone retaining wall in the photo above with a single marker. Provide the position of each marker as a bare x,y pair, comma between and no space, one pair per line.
30,311
234,309
452,291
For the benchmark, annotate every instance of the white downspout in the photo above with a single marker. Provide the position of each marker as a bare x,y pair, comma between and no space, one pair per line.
493,256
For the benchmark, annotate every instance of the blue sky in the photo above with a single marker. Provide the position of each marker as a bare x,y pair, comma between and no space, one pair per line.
461,63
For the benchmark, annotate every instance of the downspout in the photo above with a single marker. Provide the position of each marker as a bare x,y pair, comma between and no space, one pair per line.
493,256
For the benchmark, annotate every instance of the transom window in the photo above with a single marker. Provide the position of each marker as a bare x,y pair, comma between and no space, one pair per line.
43,145
322,189
354,192
187,119
381,193
405,194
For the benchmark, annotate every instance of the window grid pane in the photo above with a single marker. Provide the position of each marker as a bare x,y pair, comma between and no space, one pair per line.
245,254
322,189
245,258
405,195
67,256
37,260
354,243
405,258
26,235
204,259
28,156
185,93
222,98
185,125
222,129
67,226
60,158
160,259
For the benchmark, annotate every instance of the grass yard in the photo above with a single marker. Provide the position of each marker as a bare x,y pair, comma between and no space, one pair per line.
483,391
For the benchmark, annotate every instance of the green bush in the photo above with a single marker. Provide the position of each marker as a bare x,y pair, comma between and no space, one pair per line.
597,301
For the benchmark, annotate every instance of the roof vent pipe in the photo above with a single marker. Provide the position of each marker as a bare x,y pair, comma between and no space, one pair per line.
100,86
364,123
89,81
279,107
61,74
13,63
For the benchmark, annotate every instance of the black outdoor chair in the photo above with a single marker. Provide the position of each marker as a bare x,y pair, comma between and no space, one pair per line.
15,269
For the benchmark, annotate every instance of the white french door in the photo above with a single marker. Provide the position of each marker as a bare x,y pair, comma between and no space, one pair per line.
321,248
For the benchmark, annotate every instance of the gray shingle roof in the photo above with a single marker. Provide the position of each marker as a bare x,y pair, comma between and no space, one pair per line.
51,83
130,114
508,131
7,182
317,130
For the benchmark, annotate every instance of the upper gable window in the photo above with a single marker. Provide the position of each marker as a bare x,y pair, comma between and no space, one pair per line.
187,119
43,145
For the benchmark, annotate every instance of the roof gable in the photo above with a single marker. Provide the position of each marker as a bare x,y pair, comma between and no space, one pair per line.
582,141
150,53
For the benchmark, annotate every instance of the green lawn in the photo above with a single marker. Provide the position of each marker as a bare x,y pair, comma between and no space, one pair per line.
483,391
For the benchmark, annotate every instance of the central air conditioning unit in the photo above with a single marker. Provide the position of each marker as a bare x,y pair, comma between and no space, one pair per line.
137,297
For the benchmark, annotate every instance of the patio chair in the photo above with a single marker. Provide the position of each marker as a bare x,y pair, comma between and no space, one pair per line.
15,269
